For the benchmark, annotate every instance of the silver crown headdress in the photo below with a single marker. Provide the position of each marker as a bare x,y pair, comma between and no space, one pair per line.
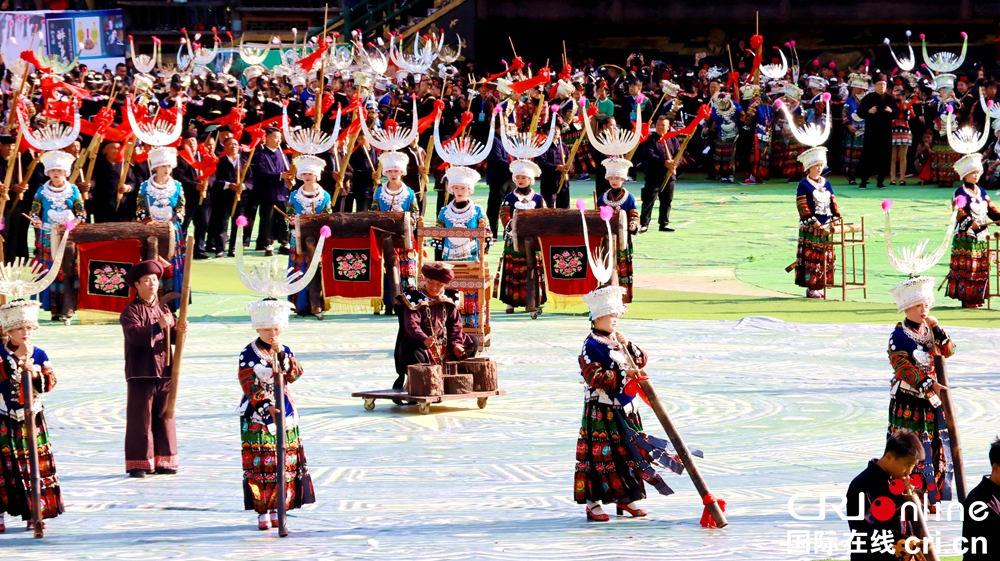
185,62
309,140
967,140
158,132
811,134
388,141
272,280
913,260
54,135
422,58
464,151
145,63
525,145
944,62
776,71
372,58
904,64
615,142
26,277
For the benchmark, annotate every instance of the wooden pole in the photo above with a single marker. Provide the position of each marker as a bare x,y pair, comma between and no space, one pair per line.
123,175
941,367
760,53
678,157
182,315
682,450
279,423
919,523
27,387
242,175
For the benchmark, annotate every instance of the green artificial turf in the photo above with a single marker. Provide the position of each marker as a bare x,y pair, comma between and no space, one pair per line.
750,230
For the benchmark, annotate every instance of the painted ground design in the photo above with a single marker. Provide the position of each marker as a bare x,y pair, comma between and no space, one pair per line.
778,408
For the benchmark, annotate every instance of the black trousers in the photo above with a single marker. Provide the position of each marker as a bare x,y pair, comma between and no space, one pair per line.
150,437
218,221
650,193
271,226
549,186
359,203
495,201
15,234
200,216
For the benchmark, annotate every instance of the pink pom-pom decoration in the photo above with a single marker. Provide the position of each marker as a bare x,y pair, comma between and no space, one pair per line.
886,205
951,109
778,104
832,64
555,108
816,62
922,36
825,97
581,204
961,201
70,224
964,35
325,232
787,44
157,40
504,62
606,213
989,103
793,44
242,221
641,98
497,109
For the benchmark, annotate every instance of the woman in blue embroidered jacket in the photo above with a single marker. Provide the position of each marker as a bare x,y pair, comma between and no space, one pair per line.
56,202
613,456
915,404
161,199
618,198
309,198
815,258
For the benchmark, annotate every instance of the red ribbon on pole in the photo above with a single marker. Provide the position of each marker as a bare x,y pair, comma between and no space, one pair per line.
706,517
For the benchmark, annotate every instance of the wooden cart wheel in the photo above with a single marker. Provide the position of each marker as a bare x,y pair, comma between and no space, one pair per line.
424,408
481,402
369,404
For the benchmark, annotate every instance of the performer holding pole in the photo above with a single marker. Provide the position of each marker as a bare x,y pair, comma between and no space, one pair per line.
275,477
916,343
182,315
29,486
614,456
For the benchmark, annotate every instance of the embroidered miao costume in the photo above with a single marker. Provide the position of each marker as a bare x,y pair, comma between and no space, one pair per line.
301,203
19,283
761,117
815,258
725,114
513,289
943,157
470,215
54,206
165,203
257,427
853,142
402,199
621,199
15,471
912,405
968,276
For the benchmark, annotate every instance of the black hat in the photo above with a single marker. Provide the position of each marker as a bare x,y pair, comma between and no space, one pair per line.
141,269
7,139
189,133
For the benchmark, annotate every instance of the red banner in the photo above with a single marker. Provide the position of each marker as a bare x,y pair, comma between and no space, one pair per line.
567,264
352,267
102,274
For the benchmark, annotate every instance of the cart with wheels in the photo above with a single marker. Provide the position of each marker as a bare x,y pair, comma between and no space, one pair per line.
423,403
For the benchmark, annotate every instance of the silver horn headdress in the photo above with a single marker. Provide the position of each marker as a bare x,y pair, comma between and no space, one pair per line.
308,140
53,135
144,63
26,277
464,151
905,64
271,279
776,71
615,142
159,132
388,141
944,62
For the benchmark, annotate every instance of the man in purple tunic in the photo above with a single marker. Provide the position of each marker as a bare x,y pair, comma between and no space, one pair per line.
430,323
150,437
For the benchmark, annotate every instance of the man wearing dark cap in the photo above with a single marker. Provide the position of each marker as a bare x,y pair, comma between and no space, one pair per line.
225,186
197,210
430,323
150,437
